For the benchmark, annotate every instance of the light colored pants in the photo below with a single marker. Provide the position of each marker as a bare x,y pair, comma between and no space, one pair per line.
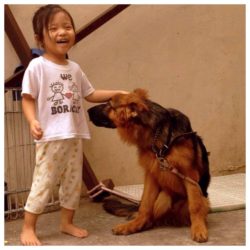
56,161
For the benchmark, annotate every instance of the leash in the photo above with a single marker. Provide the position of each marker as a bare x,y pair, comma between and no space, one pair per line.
164,165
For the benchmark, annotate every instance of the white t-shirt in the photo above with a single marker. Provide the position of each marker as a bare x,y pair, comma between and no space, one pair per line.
59,91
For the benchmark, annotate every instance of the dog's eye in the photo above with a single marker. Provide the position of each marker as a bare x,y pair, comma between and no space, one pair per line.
109,107
110,104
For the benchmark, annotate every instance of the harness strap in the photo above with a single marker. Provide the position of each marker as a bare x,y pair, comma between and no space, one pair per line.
161,152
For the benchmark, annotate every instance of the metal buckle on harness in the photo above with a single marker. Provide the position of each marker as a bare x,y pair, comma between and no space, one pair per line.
164,165
163,150
160,153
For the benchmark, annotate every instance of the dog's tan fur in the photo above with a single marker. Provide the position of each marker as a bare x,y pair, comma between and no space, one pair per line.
165,195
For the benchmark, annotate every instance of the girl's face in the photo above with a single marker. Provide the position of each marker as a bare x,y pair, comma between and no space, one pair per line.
58,38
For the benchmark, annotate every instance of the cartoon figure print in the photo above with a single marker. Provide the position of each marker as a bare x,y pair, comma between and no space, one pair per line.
58,96
75,93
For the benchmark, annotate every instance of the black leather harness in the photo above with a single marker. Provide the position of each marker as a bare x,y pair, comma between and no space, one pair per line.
161,153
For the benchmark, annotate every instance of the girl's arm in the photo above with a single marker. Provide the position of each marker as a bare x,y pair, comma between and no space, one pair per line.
103,95
29,110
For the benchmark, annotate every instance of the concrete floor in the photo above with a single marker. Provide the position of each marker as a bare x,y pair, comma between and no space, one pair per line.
225,228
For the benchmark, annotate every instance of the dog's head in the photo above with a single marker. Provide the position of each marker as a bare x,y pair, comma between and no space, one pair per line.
121,111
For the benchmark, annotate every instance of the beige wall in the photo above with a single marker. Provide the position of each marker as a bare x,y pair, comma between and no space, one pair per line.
190,57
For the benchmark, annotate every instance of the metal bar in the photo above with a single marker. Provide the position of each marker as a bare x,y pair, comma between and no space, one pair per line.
17,191
99,21
15,81
16,37
21,209
88,175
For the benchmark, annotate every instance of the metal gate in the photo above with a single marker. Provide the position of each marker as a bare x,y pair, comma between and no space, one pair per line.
19,158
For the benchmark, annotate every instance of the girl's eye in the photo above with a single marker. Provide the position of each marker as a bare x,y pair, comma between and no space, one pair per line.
52,29
68,27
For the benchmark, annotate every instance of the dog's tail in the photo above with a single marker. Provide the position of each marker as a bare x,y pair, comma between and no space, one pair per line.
118,208
204,175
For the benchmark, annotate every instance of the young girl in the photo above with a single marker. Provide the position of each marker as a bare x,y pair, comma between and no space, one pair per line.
53,92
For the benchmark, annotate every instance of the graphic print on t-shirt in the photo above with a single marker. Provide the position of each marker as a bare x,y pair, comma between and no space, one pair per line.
60,96
75,93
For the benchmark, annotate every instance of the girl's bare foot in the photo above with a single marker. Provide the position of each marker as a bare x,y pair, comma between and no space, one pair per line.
28,238
74,230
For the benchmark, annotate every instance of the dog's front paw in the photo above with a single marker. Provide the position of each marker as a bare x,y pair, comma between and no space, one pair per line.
199,233
123,229
138,224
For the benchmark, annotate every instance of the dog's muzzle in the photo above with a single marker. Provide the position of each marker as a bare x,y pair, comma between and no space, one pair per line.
99,116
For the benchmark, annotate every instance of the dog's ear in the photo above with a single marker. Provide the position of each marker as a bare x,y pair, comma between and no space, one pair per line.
141,93
136,108
131,112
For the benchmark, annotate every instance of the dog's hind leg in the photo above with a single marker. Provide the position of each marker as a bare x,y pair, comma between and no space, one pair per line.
162,204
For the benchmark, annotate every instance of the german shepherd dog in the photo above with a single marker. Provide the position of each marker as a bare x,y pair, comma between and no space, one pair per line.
174,159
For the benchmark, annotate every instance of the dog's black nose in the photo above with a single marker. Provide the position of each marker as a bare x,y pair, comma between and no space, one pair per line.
99,116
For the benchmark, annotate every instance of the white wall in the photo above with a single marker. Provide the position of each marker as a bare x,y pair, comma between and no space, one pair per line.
190,57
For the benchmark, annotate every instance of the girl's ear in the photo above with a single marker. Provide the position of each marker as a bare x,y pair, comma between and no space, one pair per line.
38,41
36,37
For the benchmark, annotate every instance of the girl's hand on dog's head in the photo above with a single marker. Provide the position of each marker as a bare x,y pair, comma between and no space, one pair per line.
124,92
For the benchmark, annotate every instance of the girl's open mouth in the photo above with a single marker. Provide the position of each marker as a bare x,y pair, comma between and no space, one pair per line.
62,41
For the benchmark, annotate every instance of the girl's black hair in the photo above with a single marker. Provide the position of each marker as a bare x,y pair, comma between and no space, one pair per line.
42,17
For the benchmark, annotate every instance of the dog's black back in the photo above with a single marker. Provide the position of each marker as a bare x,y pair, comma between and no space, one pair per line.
175,122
